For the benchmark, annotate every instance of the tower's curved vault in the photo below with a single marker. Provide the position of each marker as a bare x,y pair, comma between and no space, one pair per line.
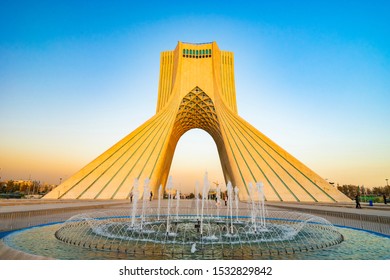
197,90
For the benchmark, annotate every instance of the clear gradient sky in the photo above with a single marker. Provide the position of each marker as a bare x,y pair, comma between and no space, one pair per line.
77,76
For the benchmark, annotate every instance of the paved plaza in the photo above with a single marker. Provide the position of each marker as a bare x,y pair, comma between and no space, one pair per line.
17,214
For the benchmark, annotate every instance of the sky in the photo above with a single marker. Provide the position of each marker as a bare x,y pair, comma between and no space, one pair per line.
78,76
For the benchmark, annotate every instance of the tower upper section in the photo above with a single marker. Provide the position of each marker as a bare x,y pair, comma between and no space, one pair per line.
203,65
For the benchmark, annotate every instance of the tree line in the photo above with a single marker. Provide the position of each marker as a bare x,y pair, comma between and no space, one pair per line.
352,190
29,187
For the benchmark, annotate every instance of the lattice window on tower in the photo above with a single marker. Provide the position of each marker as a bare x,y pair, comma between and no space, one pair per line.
197,114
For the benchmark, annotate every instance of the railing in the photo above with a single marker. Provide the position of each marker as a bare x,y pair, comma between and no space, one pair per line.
375,223
18,220
380,224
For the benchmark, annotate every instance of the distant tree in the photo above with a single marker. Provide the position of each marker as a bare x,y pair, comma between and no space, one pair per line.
35,187
45,188
376,190
3,187
349,190
10,186
381,191
23,187
354,190
386,190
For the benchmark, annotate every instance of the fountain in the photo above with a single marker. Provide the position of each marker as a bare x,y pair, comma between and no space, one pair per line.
159,202
204,195
202,228
135,202
236,190
145,201
197,198
248,233
229,209
169,189
262,214
218,200
177,204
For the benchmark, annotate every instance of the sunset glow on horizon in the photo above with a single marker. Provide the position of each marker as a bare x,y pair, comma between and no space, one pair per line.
314,78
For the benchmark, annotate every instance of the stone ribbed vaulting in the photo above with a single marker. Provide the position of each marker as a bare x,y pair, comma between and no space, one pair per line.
197,90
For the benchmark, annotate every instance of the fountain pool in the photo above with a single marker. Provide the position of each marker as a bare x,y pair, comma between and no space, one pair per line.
200,228
41,240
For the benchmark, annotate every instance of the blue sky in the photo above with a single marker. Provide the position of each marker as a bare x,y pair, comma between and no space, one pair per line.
313,76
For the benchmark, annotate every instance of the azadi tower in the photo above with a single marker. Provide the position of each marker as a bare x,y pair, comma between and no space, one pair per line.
197,90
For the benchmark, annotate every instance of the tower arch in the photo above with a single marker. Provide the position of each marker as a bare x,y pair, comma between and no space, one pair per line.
197,90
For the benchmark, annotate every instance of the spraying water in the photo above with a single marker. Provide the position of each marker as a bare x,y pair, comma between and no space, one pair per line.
135,201
159,202
230,205
145,201
169,189
262,214
218,199
236,200
253,208
177,204
197,198
204,195
284,232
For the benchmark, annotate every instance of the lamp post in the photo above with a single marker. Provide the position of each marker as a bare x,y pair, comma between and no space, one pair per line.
387,182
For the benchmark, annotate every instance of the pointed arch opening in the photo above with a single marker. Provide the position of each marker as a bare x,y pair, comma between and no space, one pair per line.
195,153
